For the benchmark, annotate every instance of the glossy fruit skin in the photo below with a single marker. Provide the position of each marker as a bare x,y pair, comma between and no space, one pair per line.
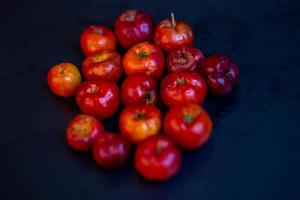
189,126
63,79
139,89
133,27
184,59
98,98
139,122
157,158
182,88
144,58
82,131
96,38
111,151
221,74
170,38
105,65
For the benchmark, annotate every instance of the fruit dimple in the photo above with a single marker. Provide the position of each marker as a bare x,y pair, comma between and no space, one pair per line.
140,115
82,128
184,58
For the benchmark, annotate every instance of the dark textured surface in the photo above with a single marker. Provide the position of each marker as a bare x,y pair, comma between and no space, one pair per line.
255,148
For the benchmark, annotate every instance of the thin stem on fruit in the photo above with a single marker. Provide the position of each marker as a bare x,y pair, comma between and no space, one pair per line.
97,31
159,147
173,20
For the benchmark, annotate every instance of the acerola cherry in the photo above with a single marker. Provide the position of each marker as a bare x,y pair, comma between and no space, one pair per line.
157,158
184,59
170,34
96,38
82,132
111,151
221,74
133,27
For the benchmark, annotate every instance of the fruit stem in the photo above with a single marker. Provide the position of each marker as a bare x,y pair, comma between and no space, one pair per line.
142,54
188,118
97,31
181,81
173,20
150,97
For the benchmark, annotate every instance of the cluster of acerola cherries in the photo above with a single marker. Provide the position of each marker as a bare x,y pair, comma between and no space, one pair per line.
183,89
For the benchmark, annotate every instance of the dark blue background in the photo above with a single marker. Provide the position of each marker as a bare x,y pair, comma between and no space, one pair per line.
254,151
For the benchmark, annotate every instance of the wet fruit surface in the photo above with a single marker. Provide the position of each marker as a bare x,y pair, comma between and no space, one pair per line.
82,131
98,98
178,89
171,34
111,151
157,158
144,58
139,89
184,59
221,74
190,126
133,27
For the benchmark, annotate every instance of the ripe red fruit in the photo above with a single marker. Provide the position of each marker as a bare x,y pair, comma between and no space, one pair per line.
190,126
140,122
133,27
82,132
184,59
96,38
139,89
221,74
105,65
98,98
157,158
111,151
63,79
170,34
178,89
144,58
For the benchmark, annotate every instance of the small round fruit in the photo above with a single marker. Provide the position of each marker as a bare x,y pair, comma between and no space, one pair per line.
111,151
184,59
63,79
139,122
178,89
157,158
98,98
190,126
105,65
221,74
82,132
139,89
144,58
96,38
133,27
171,35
